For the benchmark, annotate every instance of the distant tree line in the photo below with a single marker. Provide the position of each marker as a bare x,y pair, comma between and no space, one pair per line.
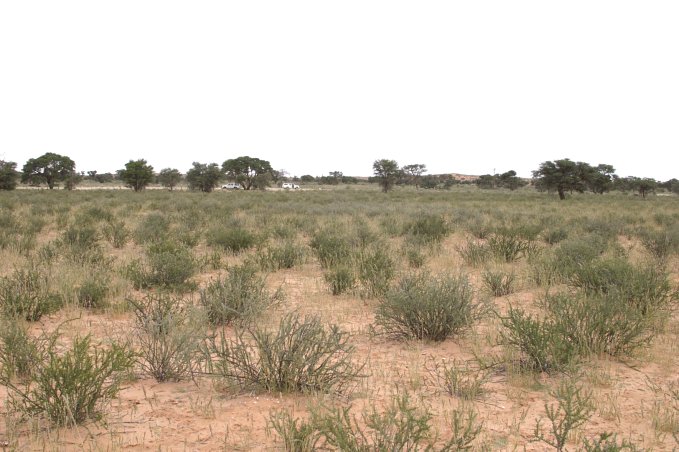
562,176
565,176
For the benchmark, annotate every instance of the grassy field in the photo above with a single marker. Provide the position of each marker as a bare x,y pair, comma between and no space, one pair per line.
340,319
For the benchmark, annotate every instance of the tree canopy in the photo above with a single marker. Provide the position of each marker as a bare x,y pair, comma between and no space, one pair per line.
49,168
387,172
137,174
169,178
565,175
204,177
249,172
413,173
508,180
8,175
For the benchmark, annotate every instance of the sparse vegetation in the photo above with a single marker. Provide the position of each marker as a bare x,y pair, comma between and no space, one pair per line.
192,283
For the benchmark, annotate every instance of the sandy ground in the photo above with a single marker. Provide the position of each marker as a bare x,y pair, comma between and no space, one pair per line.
200,416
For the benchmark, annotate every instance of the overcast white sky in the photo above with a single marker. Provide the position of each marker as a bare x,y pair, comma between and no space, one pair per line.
318,86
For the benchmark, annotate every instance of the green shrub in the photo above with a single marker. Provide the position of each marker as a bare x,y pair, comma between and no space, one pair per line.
402,426
168,265
554,235
19,352
479,228
375,270
300,356
26,293
116,233
297,435
573,409
414,255
93,291
287,255
507,248
608,442
572,253
81,244
660,244
645,288
155,227
498,283
426,307
330,248
340,278
545,271
427,229
169,336
239,297
233,239
69,388
542,347
474,253
598,323
458,379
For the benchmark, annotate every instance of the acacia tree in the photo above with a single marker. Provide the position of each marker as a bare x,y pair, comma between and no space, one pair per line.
386,171
561,175
249,172
599,179
49,168
8,175
414,173
203,177
169,177
137,174
642,185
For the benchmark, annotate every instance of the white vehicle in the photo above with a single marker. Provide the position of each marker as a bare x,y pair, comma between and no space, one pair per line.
231,186
290,185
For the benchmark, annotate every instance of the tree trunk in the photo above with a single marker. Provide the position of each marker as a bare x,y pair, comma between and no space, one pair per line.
562,195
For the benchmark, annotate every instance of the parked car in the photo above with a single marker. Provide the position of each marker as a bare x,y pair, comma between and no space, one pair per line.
231,186
290,185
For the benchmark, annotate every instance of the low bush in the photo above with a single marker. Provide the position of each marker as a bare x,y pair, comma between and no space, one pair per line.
169,335
26,293
542,347
661,244
498,282
598,323
427,229
239,297
300,356
474,253
375,270
19,352
116,233
507,247
287,255
168,265
458,379
69,388
330,248
645,288
573,409
427,307
574,252
414,255
341,279
233,239
93,291
153,228
298,435
554,235
402,426
81,244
